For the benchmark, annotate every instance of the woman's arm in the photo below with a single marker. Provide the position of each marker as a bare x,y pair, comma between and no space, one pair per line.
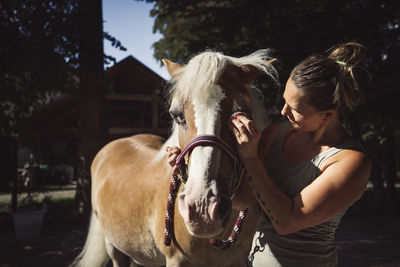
244,192
341,183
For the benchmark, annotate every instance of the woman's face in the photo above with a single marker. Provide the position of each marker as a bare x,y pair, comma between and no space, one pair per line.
302,116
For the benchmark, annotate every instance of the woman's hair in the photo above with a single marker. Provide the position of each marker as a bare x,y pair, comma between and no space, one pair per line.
331,80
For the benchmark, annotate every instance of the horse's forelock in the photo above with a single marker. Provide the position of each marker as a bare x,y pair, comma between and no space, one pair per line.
199,77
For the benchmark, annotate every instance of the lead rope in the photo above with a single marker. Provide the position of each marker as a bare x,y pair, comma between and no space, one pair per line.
169,216
223,244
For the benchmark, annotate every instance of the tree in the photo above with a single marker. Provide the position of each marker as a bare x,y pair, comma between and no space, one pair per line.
92,90
39,53
40,57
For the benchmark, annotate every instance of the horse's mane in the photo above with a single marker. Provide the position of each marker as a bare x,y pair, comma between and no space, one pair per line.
198,80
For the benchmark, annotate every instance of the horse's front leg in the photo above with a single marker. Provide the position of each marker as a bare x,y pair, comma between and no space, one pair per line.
118,258
177,261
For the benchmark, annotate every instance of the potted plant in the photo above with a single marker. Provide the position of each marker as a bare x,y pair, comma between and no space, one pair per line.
32,206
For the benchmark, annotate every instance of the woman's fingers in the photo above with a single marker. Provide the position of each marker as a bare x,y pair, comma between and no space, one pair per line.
240,126
175,170
251,127
236,133
247,136
172,153
172,150
244,129
172,159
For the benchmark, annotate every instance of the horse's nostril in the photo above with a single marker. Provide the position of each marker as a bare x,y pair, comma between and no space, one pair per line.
224,209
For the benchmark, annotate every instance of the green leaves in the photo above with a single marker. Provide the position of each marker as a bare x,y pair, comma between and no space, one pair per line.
39,54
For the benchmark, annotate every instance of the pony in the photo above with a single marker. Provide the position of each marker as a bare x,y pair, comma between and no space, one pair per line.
131,176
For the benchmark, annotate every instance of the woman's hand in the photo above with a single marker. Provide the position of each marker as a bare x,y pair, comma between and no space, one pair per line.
247,137
172,153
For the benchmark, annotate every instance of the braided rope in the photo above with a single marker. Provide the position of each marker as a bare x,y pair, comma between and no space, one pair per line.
224,244
169,216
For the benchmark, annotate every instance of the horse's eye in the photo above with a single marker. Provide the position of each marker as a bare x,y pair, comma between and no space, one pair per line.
178,117
180,120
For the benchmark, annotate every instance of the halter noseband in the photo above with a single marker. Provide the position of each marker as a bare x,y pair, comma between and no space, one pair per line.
209,140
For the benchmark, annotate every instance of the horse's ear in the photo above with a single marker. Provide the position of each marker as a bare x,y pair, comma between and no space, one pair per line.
249,72
172,67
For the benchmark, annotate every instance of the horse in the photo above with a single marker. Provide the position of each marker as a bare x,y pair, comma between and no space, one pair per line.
131,178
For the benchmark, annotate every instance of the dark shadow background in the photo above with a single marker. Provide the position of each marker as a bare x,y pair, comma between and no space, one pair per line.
59,105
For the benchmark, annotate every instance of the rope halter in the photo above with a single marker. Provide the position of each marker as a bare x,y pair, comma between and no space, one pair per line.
207,140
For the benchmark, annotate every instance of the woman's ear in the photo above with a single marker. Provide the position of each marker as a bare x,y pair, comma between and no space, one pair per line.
174,69
329,114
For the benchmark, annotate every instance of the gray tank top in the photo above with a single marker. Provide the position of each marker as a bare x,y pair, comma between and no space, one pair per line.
314,246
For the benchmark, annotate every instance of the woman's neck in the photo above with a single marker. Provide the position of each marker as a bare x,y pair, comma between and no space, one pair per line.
328,134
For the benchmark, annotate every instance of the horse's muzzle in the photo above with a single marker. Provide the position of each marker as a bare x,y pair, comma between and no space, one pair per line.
207,218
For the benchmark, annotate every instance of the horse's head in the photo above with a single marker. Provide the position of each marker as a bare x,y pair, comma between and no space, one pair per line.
204,95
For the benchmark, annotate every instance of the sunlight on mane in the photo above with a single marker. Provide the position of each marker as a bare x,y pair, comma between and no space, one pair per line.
198,79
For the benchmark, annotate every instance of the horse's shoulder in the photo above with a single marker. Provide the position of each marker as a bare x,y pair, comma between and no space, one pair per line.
131,145
122,151
148,140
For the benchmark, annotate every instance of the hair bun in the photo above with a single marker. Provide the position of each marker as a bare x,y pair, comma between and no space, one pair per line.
351,53
349,57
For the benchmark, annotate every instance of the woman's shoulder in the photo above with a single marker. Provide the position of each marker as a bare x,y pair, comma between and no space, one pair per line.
350,154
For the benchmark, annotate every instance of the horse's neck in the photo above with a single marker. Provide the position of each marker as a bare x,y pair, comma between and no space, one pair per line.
260,114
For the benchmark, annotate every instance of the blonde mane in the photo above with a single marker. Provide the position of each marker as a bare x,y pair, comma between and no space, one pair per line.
198,79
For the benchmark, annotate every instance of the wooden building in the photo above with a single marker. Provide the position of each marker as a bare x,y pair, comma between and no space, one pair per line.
134,103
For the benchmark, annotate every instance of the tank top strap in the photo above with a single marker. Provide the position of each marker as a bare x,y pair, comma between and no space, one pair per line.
349,144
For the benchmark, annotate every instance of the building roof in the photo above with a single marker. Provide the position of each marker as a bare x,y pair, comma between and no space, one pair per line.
130,75
134,93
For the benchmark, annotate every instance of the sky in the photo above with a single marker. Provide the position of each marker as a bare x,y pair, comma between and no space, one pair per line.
129,22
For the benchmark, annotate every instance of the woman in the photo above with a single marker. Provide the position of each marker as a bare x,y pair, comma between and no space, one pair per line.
307,171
